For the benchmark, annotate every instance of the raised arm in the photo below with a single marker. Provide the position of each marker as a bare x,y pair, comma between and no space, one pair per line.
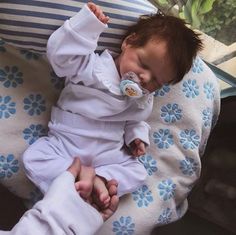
70,48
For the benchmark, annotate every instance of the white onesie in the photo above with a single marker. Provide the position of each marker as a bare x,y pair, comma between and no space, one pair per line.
92,119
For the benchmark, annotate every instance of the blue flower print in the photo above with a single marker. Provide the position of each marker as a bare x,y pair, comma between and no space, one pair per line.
30,55
56,81
123,226
149,163
162,91
166,189
33,132
163,138
189,139
142,196
8,166
165,217
11,76
207,117
171,113
34,104
190,88
188,166
197,65
7,107
2,48
209,90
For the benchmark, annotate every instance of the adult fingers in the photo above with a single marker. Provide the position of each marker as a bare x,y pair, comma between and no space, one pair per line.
75,167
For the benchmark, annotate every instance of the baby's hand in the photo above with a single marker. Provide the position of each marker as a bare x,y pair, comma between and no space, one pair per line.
138,148
97,11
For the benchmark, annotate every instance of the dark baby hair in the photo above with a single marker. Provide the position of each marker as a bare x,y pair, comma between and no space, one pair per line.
182,42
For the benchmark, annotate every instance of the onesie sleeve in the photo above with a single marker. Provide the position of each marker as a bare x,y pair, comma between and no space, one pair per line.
70,49
62,211
134,130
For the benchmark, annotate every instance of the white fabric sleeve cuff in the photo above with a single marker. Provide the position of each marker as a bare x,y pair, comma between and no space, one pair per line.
87,24
134,130
64,202
62,211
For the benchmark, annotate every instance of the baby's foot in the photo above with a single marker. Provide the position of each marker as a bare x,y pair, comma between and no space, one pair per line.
85,184
101,195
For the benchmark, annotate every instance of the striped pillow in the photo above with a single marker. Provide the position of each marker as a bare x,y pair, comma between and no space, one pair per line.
28,23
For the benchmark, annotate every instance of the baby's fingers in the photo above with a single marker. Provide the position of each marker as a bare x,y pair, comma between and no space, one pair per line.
104,19
140,152
91,6
95,9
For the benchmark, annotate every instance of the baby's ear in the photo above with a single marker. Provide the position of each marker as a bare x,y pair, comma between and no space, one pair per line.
130,39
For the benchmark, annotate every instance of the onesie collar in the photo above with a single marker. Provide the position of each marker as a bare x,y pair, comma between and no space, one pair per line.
112,78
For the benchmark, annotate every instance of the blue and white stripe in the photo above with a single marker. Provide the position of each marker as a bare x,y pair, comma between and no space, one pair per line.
29,23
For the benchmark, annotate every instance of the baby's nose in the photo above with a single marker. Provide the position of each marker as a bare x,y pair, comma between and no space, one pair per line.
145,77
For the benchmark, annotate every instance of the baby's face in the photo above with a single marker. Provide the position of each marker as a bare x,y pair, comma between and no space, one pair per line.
150,63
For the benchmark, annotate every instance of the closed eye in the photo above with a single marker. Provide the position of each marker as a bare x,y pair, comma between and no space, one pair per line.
142,64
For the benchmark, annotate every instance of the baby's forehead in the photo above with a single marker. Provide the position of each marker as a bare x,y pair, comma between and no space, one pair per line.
157,49
159,59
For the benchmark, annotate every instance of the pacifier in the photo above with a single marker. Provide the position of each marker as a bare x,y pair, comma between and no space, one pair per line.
131,87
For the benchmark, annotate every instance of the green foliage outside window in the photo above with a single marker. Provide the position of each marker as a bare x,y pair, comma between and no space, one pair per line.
217,18
220,23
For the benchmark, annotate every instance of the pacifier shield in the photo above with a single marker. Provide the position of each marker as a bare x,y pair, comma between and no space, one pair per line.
130,88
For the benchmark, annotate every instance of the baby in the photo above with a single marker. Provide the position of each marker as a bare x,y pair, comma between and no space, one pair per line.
101,112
